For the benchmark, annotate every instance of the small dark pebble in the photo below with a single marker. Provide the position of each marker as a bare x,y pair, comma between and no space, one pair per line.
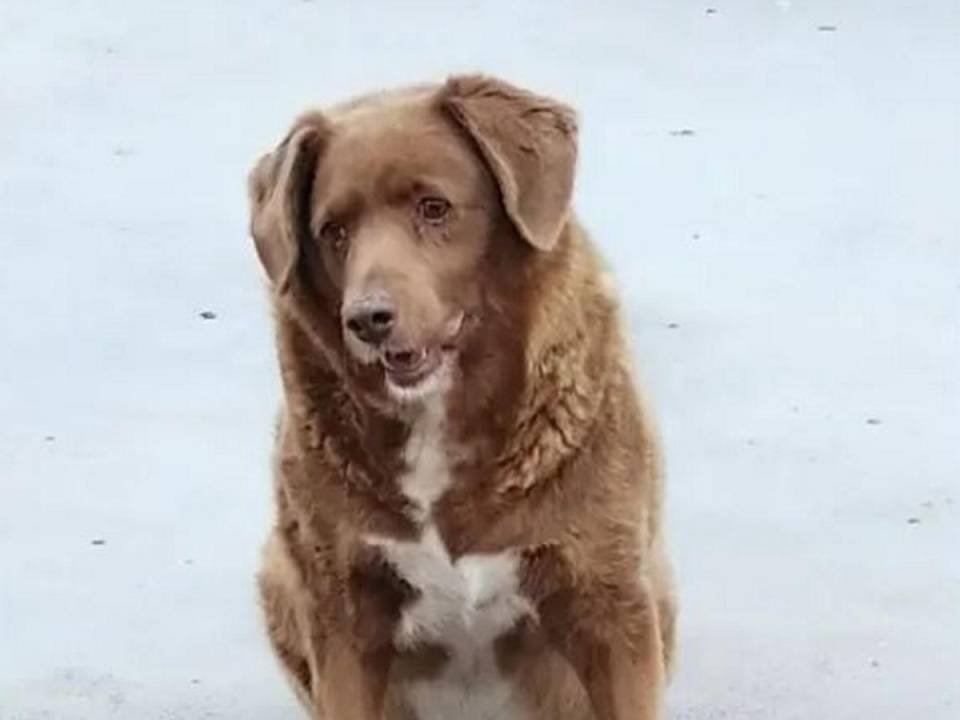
751,442
873,421
874,663
673,326
49,438
683,132
208,315
188,562
928,504
696,236
913,521
827,28
195,681
711,11
98,541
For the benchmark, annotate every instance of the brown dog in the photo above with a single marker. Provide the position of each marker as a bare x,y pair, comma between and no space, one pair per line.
468,487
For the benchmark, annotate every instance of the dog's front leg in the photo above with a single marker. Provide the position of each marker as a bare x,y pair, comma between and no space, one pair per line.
354,682
624,677
608,629
358,656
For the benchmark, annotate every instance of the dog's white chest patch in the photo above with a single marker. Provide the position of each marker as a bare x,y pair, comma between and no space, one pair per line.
462,605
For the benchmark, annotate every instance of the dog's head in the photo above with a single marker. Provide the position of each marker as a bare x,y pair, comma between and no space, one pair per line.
391,222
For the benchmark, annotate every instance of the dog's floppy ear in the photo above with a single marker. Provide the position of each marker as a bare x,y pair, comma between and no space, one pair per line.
530,145
279,187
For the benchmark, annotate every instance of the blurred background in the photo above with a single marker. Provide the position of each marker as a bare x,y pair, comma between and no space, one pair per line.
776,185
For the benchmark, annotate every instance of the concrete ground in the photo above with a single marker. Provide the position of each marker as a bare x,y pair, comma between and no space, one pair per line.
776,184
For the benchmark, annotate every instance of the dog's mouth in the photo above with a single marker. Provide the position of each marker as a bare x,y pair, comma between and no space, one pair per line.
411,369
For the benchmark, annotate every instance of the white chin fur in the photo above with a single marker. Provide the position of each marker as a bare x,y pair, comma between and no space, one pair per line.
437,382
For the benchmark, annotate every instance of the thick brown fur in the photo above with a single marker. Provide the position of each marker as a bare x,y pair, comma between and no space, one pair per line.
556,454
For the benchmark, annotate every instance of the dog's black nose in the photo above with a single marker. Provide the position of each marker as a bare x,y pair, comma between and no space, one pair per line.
370,319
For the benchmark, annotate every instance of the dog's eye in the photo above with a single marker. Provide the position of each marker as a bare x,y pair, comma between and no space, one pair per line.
334,233
433,209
